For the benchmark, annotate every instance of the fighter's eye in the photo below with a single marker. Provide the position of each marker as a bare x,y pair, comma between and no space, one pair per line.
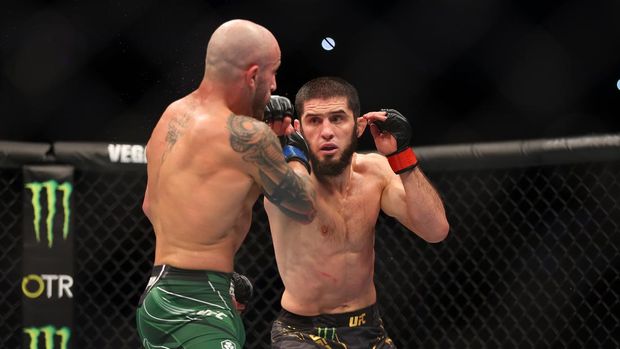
336,119
314,121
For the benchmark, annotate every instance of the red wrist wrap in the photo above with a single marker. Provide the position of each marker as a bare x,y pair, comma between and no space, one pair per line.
403,161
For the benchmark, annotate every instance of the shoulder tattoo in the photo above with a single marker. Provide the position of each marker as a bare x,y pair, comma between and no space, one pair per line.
176,128
254,143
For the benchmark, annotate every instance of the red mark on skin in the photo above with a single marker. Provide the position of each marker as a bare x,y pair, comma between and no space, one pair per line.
325,275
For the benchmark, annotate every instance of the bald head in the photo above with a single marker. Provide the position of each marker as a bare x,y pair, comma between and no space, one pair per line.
236,45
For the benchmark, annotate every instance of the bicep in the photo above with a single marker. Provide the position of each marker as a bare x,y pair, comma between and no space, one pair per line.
260,150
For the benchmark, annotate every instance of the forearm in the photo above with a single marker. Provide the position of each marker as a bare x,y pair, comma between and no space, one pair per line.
425,209
295,195
423,212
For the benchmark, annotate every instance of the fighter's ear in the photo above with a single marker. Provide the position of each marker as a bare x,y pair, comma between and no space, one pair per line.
251,75
297,125
361,126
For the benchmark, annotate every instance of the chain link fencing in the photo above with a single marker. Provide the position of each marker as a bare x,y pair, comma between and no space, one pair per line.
532,261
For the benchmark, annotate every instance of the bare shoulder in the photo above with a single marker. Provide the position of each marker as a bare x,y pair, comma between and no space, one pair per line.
248,132
372,163
370,173
235,122
166,129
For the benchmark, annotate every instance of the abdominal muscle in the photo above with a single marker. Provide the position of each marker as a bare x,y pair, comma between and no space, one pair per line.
327,283
327,267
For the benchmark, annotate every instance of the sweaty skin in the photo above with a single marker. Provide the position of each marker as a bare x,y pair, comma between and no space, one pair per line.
327,267
207,164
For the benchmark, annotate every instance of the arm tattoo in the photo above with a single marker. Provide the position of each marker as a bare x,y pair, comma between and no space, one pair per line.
258,145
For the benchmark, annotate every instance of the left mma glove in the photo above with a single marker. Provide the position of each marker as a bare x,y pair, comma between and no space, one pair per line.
295,148
403,159
241,289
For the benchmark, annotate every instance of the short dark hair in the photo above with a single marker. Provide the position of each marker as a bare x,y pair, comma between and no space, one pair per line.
327,87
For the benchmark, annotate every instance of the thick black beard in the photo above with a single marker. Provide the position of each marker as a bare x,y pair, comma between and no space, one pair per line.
332,168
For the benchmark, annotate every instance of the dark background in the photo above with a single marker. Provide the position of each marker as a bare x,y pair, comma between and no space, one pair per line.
461,71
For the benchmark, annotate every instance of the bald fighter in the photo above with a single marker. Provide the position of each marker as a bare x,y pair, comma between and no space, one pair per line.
210,156
327,266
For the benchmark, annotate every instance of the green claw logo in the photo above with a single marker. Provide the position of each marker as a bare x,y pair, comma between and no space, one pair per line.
51,188
49,333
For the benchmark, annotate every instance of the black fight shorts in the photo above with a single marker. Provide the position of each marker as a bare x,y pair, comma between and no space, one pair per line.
355,330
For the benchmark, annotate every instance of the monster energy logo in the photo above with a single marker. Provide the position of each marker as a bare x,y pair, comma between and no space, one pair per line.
49,336
51,188
327,332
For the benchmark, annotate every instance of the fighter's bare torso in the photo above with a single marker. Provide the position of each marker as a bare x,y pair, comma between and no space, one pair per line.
199,199
327,266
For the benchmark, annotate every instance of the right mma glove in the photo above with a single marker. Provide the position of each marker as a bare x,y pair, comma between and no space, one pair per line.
294,146
277,109
403,159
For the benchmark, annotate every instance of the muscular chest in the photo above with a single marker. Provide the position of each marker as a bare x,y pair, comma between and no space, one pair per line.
347,220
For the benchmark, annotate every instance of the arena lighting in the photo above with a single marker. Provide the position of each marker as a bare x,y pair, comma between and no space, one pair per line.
328,44
618,84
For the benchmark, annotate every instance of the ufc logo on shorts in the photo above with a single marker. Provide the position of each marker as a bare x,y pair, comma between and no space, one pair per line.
358,320
217,314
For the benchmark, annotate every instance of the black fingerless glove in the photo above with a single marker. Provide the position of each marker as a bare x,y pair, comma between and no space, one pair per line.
403,159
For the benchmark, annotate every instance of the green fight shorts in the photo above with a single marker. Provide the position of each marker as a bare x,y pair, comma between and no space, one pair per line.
188,309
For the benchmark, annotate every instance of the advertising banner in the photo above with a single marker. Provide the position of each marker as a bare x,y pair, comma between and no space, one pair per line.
47,278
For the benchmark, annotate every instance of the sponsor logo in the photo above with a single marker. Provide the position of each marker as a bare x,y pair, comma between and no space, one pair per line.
319,340
358,320
127,153
228,344
327,333
52,188
218,314
48,337
34,285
